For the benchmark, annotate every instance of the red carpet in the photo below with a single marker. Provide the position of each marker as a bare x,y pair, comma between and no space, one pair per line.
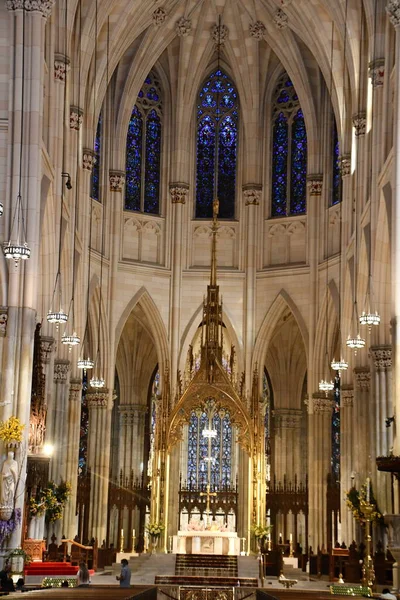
47,569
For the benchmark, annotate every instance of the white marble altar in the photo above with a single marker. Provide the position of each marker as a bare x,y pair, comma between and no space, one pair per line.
206,542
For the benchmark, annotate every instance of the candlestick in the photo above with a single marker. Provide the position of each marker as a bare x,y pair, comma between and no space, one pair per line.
368,489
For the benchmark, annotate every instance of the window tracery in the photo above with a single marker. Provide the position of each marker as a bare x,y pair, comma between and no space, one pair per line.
143,150
217,125
335,459
289,152
95,181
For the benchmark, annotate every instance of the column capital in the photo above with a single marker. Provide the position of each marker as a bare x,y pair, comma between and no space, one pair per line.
393,10
376,70
360,123
362,377
43,6
96,398
88,159
3,320
252,194
346,396
75,117
117,180
345,165
257,30
314,183
287,418
47,345
61,66
280,19
75,390
320,404
382,356
183,27
178,192
61,368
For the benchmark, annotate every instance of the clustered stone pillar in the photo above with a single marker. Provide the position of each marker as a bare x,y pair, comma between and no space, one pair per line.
383,410
319,432
362,433
57,427
72,454
99,459
132,417
287,424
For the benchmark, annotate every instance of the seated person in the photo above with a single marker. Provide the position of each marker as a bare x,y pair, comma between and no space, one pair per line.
7,584
20,585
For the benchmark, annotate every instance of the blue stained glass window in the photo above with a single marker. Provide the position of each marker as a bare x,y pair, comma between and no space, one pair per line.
143,150
217,117
289,152
220,451
279,170
84,429
336,175
335,459
299,165
95,181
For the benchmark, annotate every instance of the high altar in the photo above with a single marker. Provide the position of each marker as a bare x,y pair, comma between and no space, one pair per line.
206,542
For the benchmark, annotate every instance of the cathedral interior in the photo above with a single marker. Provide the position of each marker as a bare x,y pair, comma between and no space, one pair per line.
199,291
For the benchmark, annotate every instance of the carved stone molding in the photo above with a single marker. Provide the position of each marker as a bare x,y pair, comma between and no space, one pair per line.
135,409
345,165
314,183
287,418
252,194
321,404
117,181
360,123
97,399
377,72
3,320
61,66
75,117
61,368
88,159
280,19
159,16
346,397
393,10
75,390
362,377
46,348
382,356
219,33
178,192
43,6
183,27
257,30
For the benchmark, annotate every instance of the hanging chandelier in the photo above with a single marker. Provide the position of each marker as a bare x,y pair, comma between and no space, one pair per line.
57,316
326,386
370,319
85,363
1,209
355,343
16,251
70,340
97,382
339,365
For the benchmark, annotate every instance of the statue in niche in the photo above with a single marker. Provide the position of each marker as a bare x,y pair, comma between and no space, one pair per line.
9,478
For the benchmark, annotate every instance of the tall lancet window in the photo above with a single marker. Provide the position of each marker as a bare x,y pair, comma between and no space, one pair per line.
335,459
209,458
336,175
95,181
217,129
143,150
289,152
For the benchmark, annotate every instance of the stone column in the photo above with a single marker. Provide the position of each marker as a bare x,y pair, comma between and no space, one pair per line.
347,200
99,402
57,428
360,125
362,425
376,73
178,193
287,424
393,9
319,466
70,528
346,461
383,410
252,195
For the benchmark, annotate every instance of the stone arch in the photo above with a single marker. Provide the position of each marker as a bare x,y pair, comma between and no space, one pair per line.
381,273
325,335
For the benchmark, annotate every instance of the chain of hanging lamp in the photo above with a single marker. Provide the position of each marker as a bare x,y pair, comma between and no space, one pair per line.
19,250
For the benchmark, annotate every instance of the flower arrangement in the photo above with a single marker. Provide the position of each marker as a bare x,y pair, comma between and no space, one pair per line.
355,498
155,529
55,582
11,430
7,527
19,552
51,501
261,532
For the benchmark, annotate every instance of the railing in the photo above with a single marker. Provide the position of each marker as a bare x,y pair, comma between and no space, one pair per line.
85,553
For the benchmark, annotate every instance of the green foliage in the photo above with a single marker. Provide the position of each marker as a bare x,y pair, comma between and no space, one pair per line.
355,498
261,532
51,501
155,529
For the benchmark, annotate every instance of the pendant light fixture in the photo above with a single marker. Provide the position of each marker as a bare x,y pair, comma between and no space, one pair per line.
17,248
369,317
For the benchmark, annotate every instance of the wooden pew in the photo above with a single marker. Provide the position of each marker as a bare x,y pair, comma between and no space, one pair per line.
93,592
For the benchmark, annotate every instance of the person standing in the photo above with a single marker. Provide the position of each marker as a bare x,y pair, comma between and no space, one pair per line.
125,577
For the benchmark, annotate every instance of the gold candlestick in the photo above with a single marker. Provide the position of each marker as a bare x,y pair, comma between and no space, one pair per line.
368,572
121,546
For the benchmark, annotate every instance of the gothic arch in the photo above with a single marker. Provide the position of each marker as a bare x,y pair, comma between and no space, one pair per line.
325,334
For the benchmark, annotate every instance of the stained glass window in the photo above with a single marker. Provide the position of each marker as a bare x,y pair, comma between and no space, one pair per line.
217,125
335,460
267,398
289,152
84,429
95,182
218,449
336,175
153,413
143,150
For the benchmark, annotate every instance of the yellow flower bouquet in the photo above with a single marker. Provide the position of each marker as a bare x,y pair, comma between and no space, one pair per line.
11,430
